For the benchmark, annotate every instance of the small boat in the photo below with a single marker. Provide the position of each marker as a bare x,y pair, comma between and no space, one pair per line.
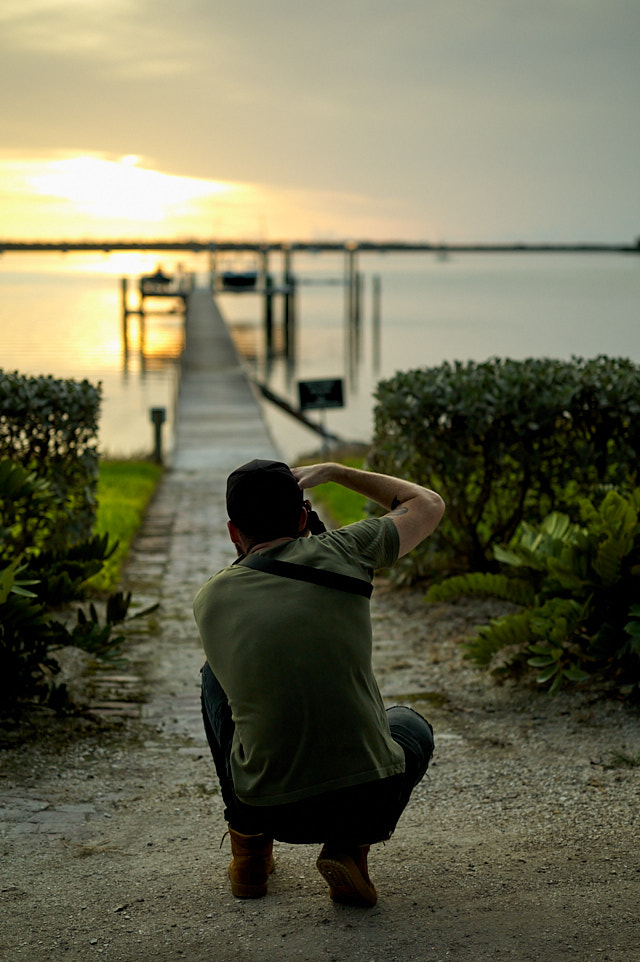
239,280
156,283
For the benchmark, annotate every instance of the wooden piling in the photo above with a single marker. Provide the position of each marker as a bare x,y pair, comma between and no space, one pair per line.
268,313
142,338
376,298
289,319
357,312
125,318
352,311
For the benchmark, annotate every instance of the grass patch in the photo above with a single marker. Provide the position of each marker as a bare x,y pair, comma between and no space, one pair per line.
622,760
342,506
124,491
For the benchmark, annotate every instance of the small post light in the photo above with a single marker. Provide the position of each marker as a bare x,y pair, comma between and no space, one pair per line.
158,417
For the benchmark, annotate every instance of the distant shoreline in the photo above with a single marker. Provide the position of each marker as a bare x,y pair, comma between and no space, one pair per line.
262,247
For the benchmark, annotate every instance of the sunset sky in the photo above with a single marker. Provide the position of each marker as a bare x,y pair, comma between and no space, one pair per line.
436,120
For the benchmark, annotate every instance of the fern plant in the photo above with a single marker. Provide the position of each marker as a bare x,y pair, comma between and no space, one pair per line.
481,585
577,586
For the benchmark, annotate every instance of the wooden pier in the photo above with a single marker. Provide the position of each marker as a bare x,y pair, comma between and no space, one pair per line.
219,420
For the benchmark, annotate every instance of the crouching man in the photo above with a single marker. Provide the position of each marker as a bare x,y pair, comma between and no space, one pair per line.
303,747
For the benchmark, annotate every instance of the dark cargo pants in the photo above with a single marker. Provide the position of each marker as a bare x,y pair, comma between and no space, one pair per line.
359,815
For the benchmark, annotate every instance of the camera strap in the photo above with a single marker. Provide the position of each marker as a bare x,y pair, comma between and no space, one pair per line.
316,576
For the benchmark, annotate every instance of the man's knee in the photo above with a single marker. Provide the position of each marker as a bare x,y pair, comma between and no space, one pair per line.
414,734
218,721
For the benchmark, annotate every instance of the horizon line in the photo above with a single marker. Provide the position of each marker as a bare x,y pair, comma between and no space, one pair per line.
349,245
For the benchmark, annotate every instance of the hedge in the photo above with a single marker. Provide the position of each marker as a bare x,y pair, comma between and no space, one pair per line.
51,425
504,441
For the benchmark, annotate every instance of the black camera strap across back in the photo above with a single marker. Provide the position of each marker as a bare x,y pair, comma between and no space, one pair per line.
316,576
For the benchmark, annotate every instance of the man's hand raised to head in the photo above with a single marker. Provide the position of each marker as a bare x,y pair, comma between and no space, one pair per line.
416,511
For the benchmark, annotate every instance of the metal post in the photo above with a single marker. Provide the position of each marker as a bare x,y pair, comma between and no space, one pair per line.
158,417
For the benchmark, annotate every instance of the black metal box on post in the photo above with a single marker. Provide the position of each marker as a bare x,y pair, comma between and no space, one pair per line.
319,395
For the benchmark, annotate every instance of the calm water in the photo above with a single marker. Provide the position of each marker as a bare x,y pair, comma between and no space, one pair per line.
60,314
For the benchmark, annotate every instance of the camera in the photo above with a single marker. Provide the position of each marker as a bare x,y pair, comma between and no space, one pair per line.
314,524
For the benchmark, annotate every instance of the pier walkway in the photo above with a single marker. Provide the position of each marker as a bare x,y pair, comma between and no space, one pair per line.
219,421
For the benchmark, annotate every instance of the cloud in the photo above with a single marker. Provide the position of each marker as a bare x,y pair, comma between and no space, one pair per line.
482,117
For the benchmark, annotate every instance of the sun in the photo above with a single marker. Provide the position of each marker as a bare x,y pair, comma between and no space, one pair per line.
120,190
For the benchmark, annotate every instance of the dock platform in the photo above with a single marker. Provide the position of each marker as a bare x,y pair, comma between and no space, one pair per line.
219,422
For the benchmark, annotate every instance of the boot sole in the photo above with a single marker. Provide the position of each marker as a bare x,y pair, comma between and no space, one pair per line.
248,891
346,882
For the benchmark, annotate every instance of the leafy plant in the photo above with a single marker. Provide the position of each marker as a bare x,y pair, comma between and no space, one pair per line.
26,502
632,628
36,580
581,616
11,583
62,575
479,584
30,636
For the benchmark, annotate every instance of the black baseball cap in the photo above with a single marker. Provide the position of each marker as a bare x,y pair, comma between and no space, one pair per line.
264,500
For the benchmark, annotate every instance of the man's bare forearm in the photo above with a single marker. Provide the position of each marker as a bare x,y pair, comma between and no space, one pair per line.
384,489
416,511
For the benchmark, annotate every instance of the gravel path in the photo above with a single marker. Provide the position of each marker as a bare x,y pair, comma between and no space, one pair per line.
521,844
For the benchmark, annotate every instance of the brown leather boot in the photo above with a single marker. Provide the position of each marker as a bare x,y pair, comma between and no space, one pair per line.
251,865
348,876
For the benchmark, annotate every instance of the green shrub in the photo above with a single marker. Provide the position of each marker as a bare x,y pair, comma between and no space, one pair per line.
506,441
35,582
50,426
27,502
581,617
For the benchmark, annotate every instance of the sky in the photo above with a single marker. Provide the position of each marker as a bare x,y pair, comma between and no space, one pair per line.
430,120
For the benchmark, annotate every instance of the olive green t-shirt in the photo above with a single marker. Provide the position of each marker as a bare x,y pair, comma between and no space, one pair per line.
294,660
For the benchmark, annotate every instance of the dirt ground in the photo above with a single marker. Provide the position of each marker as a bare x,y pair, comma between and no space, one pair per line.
521,844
